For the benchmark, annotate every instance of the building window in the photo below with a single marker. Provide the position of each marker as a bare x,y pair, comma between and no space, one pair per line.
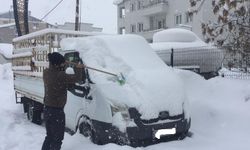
122,12
122,30
140,27
133,28
189,17
139,5
132,7
178,19
159,24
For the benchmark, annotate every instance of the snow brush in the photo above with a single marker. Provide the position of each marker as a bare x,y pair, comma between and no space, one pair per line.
119,77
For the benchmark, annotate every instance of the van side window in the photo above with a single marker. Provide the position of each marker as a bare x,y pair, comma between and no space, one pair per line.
73,57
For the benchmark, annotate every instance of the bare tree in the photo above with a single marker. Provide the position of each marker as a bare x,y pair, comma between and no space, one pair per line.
232,29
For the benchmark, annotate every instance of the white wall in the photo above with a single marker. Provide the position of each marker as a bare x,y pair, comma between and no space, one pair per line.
182,6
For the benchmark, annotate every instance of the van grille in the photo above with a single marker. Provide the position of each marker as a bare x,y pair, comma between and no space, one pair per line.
164,115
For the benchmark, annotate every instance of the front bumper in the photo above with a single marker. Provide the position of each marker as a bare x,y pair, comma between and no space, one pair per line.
142,134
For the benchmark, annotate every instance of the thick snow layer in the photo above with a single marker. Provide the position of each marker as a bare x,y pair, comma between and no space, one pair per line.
6,49
176,38
220,109
175,35
59,31
150,86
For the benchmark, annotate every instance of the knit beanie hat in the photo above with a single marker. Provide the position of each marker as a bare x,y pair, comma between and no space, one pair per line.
56,58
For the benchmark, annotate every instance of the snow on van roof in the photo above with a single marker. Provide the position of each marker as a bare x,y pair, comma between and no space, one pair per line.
176,38
151,86
46,31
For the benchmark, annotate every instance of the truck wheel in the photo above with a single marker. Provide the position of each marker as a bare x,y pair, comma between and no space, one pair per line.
25,104
34,113
85,129
94,138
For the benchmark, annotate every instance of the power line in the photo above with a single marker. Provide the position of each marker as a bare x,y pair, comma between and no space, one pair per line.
52,9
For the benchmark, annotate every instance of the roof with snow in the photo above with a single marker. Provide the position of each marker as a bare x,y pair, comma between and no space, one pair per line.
10,15
117,2
7,25
176,38
46,31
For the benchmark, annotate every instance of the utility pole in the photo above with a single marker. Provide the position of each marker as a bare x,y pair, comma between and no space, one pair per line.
77,16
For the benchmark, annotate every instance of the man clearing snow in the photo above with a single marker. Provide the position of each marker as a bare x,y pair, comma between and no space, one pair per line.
56,83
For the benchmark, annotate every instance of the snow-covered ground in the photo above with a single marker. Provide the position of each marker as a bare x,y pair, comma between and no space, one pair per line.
6,49
220,110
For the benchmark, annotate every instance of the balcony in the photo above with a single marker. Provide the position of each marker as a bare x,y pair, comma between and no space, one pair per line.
154,7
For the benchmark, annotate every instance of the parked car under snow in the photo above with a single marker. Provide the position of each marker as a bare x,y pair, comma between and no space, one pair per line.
189,51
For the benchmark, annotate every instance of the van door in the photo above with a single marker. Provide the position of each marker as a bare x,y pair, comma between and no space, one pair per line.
75,105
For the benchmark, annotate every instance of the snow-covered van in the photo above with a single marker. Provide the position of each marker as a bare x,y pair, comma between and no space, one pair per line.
150,106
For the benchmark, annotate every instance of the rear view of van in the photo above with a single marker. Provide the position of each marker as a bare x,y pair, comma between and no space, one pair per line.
150,106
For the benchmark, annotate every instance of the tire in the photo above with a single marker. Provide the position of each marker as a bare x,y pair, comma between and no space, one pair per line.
25,107
85,129
25,101
94,138
34,112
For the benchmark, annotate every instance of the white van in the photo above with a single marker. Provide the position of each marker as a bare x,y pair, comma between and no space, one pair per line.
151,100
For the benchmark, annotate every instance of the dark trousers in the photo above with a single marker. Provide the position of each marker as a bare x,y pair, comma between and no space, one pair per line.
55,125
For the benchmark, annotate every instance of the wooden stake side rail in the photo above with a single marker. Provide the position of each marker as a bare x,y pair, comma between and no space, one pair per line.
29,74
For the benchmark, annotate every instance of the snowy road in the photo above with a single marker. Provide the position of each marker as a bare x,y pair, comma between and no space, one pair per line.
220,110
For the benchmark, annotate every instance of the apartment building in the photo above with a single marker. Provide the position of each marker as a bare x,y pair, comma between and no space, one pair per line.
146,17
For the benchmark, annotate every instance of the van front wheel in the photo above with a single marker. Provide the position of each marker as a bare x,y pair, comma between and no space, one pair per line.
85,129
94,138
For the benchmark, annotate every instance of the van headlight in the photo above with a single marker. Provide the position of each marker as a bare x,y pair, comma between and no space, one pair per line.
122,109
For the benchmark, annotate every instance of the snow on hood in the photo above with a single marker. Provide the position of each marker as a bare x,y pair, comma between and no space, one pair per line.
150,86
176,38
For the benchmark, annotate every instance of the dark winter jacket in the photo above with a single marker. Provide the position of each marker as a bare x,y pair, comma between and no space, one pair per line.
56,83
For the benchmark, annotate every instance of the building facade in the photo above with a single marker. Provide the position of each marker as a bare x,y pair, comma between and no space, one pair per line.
146,17
88,27
8,28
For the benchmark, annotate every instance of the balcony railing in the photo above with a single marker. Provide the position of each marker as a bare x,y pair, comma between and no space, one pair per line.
155,2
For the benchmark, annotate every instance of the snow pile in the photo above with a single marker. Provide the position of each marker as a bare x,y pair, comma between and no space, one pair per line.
17,132
6,49
234,73
220,110
150,86
176,38
6,72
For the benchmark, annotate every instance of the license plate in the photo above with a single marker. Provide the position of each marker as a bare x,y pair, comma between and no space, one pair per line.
164,132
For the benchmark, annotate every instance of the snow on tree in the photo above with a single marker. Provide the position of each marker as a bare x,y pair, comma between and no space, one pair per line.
232,29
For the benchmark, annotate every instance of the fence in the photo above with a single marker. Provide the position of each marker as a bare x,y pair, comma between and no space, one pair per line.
206,61
201,59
